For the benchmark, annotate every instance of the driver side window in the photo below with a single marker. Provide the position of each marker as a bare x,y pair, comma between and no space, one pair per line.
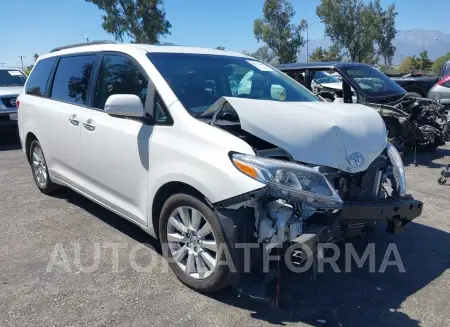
119,75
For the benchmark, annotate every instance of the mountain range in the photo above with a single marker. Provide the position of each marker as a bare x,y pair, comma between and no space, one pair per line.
408,43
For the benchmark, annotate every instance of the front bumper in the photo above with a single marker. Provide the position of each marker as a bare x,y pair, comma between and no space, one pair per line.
397,212
5,120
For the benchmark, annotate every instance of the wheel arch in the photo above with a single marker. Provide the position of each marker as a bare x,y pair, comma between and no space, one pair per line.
166,191
30,137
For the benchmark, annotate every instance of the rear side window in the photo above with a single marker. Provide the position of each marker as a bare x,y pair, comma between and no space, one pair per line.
72,79
447,71
119,75
37,82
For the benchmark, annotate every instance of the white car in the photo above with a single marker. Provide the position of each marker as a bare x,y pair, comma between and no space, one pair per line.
156,135
11,84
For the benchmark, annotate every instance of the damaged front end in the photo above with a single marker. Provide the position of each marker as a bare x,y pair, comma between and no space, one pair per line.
305,203
416,123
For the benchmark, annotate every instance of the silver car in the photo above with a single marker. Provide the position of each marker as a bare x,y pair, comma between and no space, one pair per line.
441,90
12,81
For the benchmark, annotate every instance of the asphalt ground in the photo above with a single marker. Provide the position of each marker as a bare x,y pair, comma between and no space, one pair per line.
58,268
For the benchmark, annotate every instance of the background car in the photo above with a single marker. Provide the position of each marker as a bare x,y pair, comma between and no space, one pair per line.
415,84
441,90
12,81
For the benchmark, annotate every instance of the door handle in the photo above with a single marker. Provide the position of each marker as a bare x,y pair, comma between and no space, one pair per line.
88,125
73,120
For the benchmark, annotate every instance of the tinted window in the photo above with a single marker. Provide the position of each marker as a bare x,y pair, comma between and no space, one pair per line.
373,82
72,79
199,80
119,75
37,82
447,71
161,114
12,77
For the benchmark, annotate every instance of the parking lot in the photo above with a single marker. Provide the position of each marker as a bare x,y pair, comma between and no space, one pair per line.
38,291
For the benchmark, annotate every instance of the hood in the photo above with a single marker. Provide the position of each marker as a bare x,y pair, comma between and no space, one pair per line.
317,133
10,90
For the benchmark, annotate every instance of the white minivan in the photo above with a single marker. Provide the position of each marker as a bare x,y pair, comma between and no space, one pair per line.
159,135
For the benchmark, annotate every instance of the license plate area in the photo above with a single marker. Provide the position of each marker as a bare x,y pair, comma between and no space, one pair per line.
13,116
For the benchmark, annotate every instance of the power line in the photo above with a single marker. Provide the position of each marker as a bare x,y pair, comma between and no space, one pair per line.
21,60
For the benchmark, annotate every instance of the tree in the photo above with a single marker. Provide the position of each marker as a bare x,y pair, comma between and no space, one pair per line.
220,47
318,55
424,62
439,62
276,30
36,56
349,23
144,21
332,54
409,64
262,53
28,70
384,26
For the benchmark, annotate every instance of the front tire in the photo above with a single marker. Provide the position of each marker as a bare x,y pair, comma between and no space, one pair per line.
192,239
39,169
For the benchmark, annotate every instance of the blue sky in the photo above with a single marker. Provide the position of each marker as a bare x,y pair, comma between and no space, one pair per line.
32,26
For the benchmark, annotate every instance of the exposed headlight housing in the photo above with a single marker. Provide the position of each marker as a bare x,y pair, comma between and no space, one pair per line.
398,169
292,180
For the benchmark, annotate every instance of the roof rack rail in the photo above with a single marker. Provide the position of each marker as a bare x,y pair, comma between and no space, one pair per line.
82,45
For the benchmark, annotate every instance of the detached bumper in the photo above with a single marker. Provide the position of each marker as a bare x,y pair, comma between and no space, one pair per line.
397,212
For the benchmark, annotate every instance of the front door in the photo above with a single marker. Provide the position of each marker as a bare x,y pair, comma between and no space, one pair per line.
115,150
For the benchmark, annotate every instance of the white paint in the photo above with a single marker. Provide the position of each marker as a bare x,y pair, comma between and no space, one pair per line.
260,66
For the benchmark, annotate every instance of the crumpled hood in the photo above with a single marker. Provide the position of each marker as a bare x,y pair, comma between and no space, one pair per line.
10,90
317,133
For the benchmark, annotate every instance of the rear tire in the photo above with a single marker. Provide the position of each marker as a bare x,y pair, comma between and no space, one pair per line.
184,218
39,169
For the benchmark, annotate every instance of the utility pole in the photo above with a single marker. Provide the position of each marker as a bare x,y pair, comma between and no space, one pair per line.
3,64
21,60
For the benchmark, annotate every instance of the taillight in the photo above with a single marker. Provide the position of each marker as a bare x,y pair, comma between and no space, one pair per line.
444,80
17,103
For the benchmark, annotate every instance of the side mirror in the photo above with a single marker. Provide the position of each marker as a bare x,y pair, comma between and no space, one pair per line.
126,105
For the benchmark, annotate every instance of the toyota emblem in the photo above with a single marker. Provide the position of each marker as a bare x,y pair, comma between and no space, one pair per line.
356,159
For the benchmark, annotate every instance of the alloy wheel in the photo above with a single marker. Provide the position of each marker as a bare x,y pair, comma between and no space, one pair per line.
39,167
192,242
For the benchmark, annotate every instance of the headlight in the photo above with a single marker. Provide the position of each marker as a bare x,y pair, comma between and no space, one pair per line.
292,180
398,168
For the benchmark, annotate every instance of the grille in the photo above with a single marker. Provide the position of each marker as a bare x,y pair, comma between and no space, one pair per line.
7,102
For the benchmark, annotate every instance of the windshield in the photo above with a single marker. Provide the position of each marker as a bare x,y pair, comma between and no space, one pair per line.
11,77
199,80
323,77
373,82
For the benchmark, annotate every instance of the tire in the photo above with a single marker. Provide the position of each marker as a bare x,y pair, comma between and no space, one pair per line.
38,162
216,278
